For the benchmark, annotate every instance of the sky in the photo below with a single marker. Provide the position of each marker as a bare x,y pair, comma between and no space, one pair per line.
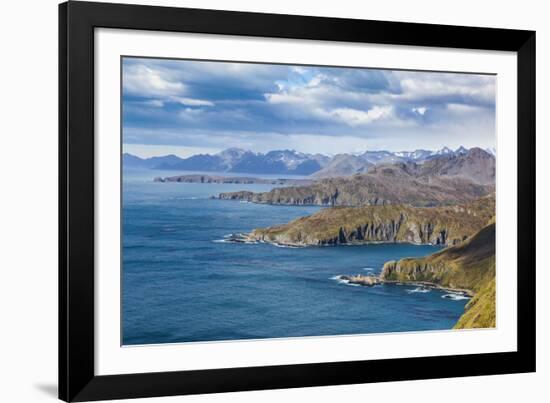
186,107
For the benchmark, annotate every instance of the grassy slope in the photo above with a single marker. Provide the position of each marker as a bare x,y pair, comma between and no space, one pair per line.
470,265
480,311
459,222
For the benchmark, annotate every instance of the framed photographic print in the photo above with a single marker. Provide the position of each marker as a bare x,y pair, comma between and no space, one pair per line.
255,201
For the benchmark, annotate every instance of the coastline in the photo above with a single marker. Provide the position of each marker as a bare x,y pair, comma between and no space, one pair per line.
250,238
428,284
371,280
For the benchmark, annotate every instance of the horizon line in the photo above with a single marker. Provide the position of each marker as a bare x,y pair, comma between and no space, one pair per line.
330,155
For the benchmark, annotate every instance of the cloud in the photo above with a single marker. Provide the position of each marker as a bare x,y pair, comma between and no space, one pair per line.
462,108
356,117
447,87
146,81
191,101
153,103
421,110
251,100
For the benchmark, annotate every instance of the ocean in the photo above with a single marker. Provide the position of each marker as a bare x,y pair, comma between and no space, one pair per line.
182,281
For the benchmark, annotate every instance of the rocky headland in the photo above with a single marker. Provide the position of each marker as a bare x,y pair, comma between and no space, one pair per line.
394,184
445,180
388,223
467,269
469,266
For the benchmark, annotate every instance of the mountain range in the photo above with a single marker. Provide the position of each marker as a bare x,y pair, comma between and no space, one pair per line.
444,179
289,162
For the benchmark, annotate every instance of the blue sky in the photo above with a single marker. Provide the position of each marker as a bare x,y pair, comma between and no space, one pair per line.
187,107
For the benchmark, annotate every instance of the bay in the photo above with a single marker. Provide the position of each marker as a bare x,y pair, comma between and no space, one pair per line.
183,282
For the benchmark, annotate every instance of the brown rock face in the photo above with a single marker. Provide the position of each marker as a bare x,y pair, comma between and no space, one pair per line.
371,224
382,186
361,280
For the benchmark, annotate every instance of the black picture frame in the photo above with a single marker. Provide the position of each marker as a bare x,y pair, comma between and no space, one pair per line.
77,379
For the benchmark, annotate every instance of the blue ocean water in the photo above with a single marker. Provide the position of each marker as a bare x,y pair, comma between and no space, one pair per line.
181,282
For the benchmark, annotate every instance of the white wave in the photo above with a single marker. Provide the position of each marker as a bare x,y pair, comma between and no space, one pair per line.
340,280
234,238
421,290
245,242
455,296
367,269
279,245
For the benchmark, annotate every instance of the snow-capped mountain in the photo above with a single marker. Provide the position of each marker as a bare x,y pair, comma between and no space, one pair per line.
289,162
236,160
443,151
418,156
277,162
377,157
461,150
231,155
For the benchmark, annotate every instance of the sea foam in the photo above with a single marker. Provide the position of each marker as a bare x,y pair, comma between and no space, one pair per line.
421,290
455,296
340,280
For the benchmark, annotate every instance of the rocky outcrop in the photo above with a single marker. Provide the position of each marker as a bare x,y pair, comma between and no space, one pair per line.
395,184
469,266
242,195
475,164
370,224
448,267
361,279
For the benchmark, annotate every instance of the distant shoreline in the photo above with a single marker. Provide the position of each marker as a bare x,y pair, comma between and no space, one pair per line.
239,180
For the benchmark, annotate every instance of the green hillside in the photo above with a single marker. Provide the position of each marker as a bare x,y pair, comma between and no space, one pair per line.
468,266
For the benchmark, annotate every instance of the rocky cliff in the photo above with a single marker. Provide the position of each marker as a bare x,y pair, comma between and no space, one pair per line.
475,164
468,266
395,184
388,223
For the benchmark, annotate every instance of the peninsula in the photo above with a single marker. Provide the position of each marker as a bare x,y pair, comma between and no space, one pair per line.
444,226
469,266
